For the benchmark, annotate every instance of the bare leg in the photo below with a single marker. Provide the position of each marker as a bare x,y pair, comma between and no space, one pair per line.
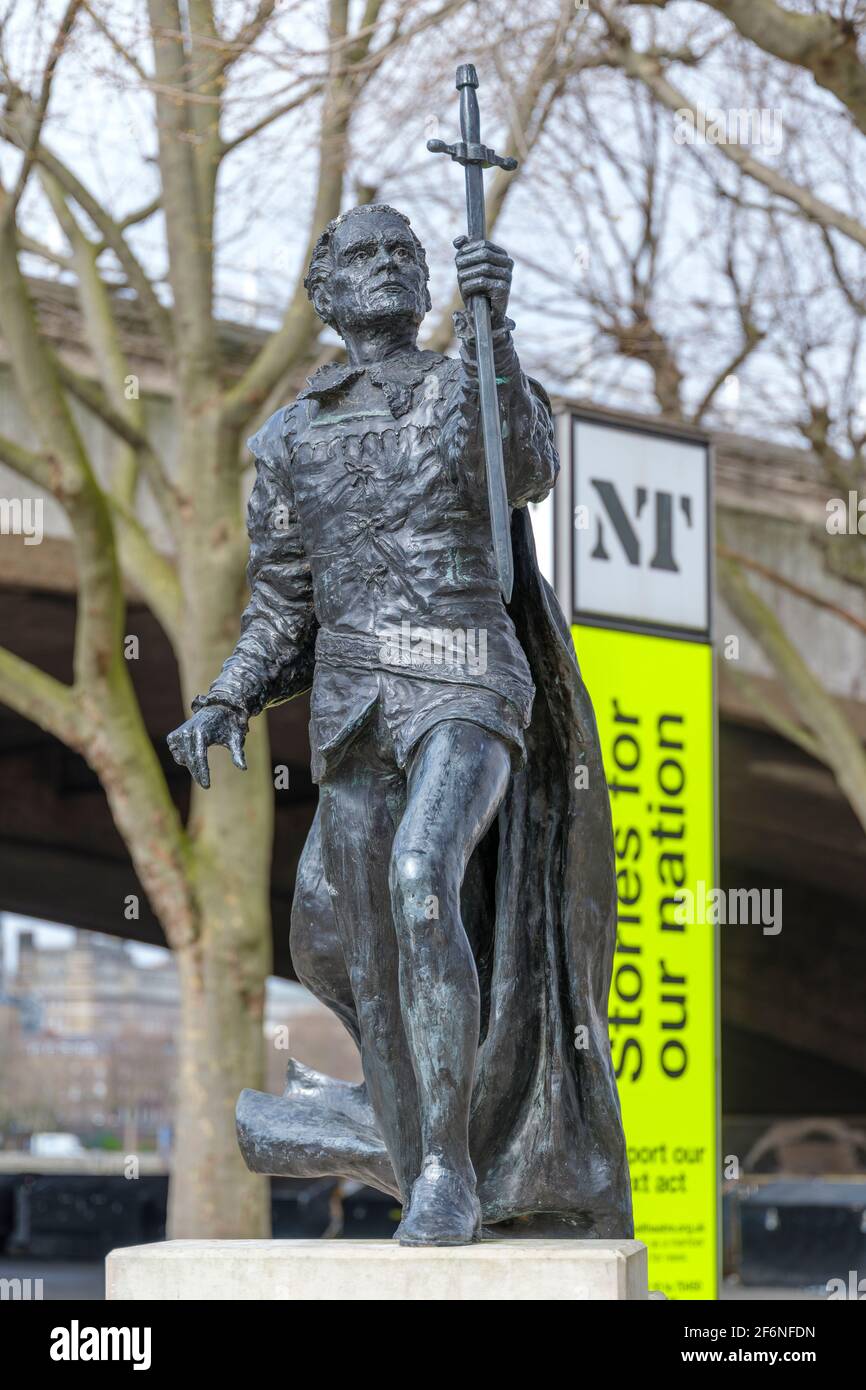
456,783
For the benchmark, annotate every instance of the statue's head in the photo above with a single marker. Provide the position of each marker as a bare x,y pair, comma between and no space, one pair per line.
368,268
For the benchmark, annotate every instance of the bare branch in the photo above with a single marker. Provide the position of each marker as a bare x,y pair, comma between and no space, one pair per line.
819,711
32,247
824,44
292,339
100,613
152,573
283,109
27,462
41,106
14,127
773,715
725,553
648,70
247,35
39,697
92,395
529,113
188,207
119,49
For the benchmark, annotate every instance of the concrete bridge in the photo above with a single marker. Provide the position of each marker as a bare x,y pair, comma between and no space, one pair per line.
794,1031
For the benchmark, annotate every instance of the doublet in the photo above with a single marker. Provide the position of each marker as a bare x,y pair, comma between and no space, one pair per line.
371,568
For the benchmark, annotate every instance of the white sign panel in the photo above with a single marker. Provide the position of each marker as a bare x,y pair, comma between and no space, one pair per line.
641,511
541,516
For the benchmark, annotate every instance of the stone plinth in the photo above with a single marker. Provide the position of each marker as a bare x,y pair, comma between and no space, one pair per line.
372,1270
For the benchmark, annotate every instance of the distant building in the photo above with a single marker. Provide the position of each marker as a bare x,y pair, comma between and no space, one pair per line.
88,1038
95,988
88,1041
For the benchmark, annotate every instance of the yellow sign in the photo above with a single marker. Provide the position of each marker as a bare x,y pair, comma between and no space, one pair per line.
653,699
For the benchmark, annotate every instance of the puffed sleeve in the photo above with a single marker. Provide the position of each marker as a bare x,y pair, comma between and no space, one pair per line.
273,659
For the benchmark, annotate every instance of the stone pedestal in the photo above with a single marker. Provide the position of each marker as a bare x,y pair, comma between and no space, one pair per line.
373,1270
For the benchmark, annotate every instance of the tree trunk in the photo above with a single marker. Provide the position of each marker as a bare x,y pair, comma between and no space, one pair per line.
223,970
222,987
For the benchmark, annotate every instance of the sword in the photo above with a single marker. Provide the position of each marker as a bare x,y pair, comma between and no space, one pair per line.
476,157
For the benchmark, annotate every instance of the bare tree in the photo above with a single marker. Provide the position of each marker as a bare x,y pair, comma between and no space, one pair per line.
692,277
661,270
220,106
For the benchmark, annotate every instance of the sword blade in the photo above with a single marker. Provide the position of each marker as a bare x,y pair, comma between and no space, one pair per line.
491,430
497,491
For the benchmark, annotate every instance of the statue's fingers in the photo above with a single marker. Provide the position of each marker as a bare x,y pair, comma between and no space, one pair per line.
179,748
485,271
481,252
469,244
198,765
236,748
485,267
474,248
483,284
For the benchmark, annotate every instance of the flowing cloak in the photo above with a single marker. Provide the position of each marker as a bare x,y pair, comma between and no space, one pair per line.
539,908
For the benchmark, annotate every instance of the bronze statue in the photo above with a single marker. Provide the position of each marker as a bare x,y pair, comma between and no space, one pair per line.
455,903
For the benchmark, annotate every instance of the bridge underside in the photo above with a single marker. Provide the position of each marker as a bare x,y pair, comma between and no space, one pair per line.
794,1031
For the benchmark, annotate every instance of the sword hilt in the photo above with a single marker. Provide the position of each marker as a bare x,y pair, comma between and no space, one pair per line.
463,152
470,150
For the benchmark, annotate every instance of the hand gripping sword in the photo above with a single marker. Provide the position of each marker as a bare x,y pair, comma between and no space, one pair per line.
476,157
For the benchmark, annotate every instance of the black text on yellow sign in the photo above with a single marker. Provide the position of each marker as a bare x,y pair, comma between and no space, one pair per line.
653,698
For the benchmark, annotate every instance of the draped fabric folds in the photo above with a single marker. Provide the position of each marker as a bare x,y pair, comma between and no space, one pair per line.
539,907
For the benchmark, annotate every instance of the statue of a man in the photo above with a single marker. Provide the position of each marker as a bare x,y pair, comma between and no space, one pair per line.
455,903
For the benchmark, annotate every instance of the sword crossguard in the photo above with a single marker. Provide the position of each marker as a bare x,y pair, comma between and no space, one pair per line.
466,152
469,150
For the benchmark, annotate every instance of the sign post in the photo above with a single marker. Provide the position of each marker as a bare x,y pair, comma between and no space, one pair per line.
633,562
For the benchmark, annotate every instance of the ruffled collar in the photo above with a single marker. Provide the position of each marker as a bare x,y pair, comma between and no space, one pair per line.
397,376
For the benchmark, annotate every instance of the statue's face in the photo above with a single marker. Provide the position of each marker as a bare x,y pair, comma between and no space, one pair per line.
377,275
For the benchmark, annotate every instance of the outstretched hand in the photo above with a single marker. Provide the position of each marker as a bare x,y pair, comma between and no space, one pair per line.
213,724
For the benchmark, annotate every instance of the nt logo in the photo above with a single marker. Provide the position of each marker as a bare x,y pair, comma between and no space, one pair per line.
625,527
